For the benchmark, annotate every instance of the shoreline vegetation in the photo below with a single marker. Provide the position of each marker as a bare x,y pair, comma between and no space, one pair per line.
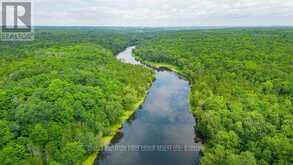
158,66
164,66
181,74
241,90
106,140
115,128
61,100
62,94
171,68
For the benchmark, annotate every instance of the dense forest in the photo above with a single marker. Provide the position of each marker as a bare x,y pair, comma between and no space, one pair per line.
60,94
242,90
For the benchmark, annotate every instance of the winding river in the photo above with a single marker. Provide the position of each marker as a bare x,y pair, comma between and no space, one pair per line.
161,132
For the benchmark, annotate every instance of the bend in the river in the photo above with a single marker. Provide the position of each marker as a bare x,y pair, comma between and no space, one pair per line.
163,120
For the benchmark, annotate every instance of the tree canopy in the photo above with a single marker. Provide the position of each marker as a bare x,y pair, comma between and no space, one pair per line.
242,89
59,96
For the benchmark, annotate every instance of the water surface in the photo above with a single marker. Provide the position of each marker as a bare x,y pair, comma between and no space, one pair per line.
164,119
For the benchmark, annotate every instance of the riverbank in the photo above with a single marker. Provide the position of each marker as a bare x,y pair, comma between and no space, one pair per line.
106,140
167,78
176,70
158,66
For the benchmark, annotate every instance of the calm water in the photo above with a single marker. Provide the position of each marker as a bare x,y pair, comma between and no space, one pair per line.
163,119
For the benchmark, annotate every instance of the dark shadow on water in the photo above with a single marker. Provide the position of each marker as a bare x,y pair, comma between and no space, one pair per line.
163,119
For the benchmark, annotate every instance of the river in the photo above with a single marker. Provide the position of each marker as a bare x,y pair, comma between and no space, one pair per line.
161,132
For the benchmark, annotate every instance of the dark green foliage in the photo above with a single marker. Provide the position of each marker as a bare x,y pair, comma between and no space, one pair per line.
58,99
242,90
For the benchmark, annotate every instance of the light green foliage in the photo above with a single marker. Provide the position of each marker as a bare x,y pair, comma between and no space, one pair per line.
72,153
59,96
221,156
241,95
